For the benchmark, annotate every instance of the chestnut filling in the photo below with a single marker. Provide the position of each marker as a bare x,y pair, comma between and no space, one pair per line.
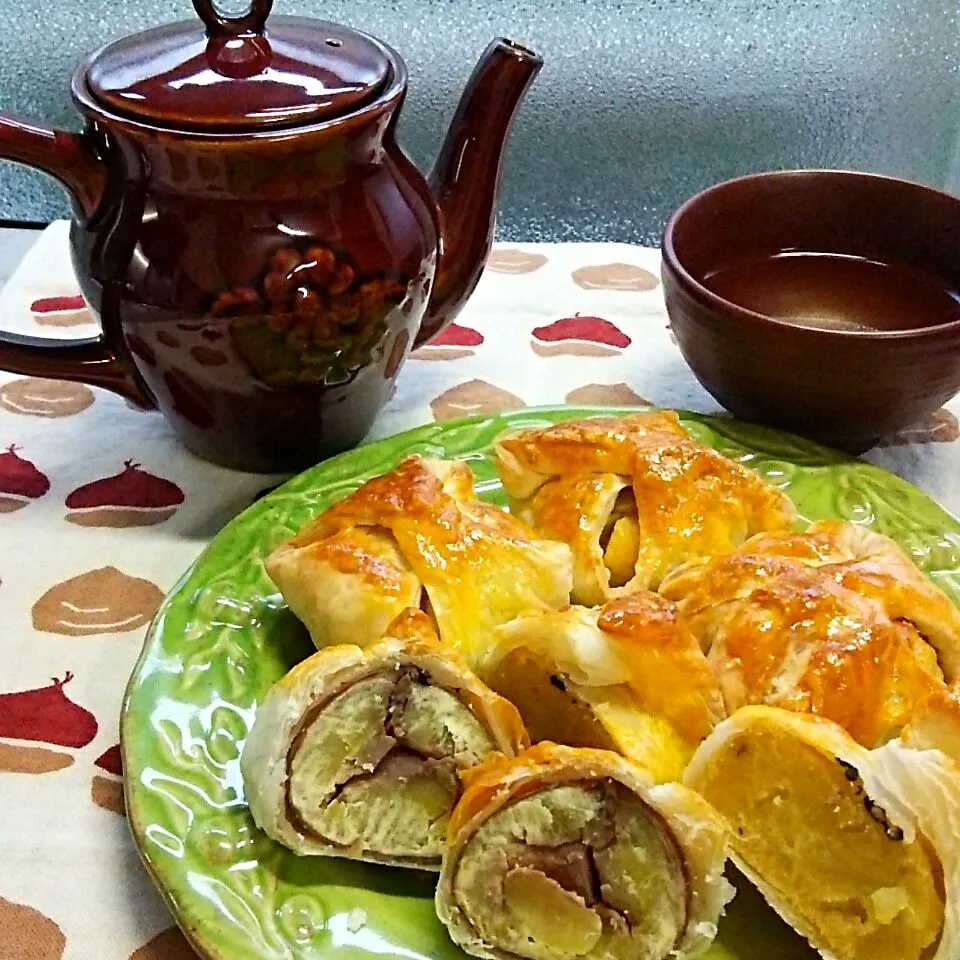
375,767
583,870
620,539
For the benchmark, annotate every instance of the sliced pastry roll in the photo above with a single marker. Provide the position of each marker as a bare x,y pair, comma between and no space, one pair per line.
634,497
418,536
357,753
628,676
855,848
565,852
836,621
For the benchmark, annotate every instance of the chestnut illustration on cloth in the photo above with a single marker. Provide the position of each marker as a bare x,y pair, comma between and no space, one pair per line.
606,395
26,934
131,498
20,481
39,397
507,260
624,277
42,715
70,311
579,336
106,791
455,342
99,601
473,398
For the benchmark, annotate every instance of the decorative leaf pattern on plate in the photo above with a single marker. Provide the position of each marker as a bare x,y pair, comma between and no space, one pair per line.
223,636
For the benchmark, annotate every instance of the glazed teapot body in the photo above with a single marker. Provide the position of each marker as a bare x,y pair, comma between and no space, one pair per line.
261,283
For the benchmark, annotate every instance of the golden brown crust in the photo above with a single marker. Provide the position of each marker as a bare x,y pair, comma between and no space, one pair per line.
824,622
527,459
478,565
688,501
668,670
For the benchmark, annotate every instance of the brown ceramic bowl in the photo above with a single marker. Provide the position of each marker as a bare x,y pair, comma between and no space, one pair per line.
843,387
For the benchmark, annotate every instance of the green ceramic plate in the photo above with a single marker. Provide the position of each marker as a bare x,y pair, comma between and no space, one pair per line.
223,636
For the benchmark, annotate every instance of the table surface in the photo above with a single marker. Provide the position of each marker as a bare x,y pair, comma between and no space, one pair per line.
78,586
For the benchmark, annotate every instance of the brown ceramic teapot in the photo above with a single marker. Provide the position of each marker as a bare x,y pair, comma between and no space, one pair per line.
261,254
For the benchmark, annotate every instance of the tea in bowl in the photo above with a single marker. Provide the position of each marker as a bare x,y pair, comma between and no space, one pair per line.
823,302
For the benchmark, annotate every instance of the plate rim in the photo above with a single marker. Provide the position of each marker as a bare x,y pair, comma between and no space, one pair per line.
587,411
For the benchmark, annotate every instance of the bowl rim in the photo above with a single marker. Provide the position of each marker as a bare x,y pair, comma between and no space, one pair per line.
695,288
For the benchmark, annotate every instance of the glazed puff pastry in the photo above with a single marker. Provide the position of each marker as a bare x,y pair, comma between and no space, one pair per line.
855,848
853,556
417,536
565,852
634,497
628,676
357,753
836,621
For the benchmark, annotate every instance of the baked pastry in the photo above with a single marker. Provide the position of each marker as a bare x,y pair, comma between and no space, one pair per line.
855,848
634,497
417,536
628,676
356,753
836,621
565,852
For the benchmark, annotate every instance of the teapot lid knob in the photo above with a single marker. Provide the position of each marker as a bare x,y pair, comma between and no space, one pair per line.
219,25
236,73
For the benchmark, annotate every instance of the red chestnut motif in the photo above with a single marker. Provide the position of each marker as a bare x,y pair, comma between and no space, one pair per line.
131,498
579,336
20,481
453,343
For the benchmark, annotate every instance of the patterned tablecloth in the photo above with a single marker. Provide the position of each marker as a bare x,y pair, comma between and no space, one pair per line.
101,510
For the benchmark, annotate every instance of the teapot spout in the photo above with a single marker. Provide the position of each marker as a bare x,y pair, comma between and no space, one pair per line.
466,177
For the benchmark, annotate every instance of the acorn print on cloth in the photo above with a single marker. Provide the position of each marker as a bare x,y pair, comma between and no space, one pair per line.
61,312
43,715
473,398
20,481
38,397
107,791
606,395
171,944
132,498
615,276
506,260
99,601
940,427
453,343
26,934
579,336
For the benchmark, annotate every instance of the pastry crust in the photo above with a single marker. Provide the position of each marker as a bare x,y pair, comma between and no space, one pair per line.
836,621
682,851
634,497
356,753
856,849
418,536
628,676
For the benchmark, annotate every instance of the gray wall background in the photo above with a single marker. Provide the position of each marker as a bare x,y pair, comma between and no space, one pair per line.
641,102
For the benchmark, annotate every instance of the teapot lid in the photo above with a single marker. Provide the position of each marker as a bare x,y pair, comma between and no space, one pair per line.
233,74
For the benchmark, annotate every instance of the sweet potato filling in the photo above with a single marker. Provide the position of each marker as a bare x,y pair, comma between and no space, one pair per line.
620,539
608,718
550,708
575,870
375,768
805,827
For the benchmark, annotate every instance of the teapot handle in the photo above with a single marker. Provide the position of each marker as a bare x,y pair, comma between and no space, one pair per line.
67,157
88,360
70,159
253,21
